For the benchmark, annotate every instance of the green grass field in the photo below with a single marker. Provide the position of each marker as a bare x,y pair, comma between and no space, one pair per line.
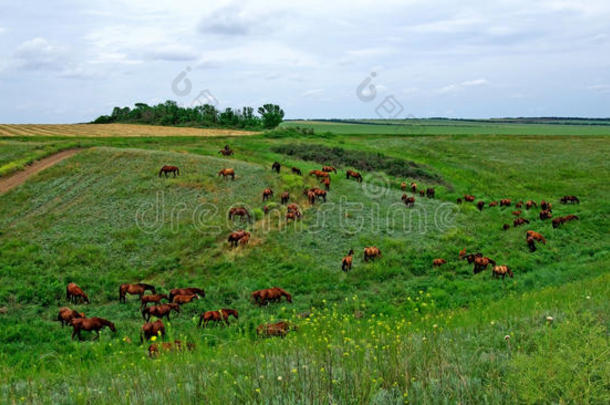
395,330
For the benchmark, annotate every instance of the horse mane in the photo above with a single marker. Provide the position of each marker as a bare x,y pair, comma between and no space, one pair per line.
148,286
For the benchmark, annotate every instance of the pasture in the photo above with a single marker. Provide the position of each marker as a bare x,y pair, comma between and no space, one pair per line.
393,330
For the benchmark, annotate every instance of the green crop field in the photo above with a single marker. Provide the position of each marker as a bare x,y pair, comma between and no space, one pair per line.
394,330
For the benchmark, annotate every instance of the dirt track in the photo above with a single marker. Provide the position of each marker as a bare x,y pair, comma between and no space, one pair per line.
20,177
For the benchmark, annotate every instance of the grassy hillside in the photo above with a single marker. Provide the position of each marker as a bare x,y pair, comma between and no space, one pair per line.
390,331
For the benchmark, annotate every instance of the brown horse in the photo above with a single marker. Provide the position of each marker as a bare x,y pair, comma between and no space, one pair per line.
186,291
292,216
297,171
561,220
90,324
569,199
326,183
519,204
520,221
517,213
284,197
267,193
458,201
234,237
329,169
318,173
530,203
169,169
493,204
239,212
355,175
176,345
217,316
506,227
481,263
74,294
274,294
151,329
472,257
292,207
430,192
66,315
438,262
413,187
422,193
462,253
501,271
505,202
226,152
184,299
155,298
409,201
546,214
544,205
531,237
244,241
480,205
274,329
403,186
346,263
160,311
371,253
319,193
134,289
469,197
227,172
311,197
276,167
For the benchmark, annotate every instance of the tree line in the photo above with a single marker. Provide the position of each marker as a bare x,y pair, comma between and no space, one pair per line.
206,115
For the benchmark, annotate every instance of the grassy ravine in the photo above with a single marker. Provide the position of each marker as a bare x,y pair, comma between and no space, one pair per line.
391,331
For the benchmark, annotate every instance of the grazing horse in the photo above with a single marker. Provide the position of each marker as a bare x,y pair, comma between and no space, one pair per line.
150,329
458,201
184,299
284,197
234,237
520,221
409,201
134,289
546,214
74,294
413,187
160,311
462,253
346,263
516,213
274,294
244,241
544,205
468,197
438,262
292,216
493,204
240,212
480,205
506,227
501,271
217,316
267,193
292,207
430,192
169,169
355,175
153,349
297,171
519,204
311,197
371,253
274,329
90,324
403,186
569,199
326,183
227,172
472,257
531,237
66,315
329,169
422,193
561,220
505,202
276,167
530,203
154,298
227,151
319,193
481,263
186,291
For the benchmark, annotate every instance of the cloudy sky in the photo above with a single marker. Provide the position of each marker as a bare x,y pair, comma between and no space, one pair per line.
70,61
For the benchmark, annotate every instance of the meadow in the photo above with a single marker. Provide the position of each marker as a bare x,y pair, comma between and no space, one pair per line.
395,330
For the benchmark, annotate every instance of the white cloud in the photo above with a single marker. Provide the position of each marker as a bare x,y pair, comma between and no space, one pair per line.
602,88
452,88
313,93
37,54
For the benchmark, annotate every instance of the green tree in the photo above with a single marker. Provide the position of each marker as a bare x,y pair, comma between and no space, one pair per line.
271,114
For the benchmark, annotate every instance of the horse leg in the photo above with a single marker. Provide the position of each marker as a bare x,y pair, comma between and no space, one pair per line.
97,332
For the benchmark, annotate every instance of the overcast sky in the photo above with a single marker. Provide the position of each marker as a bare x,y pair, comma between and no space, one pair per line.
70,61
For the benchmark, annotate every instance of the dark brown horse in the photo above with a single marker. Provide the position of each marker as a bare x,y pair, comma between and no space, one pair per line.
480,205
481,263
155,298
186,291
472,257
227,173
217,316
544,205
154,349
371,253
531,237
530,203
469,198
329,169
274,329
505,202
493,204
226,151
234,237
66,315
74,294
239,212
184,299
297,171
430,192
134,289
409,201
546,214
517,213
413,187
561,220
520,221
569,199
353,174
90,324
346,263
267,193
319,174
284,197
292,216
274,294
160,311
169,169
438,262
326,183
151,329
276,167
321,194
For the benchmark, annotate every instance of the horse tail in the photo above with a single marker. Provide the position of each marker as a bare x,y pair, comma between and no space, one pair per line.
160,171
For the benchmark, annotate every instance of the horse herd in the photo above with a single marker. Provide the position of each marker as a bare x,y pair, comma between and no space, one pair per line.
175,299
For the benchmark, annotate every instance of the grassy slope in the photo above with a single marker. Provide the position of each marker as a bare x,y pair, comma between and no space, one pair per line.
61,226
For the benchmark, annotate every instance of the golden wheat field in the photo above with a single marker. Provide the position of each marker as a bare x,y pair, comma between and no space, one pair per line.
110,130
